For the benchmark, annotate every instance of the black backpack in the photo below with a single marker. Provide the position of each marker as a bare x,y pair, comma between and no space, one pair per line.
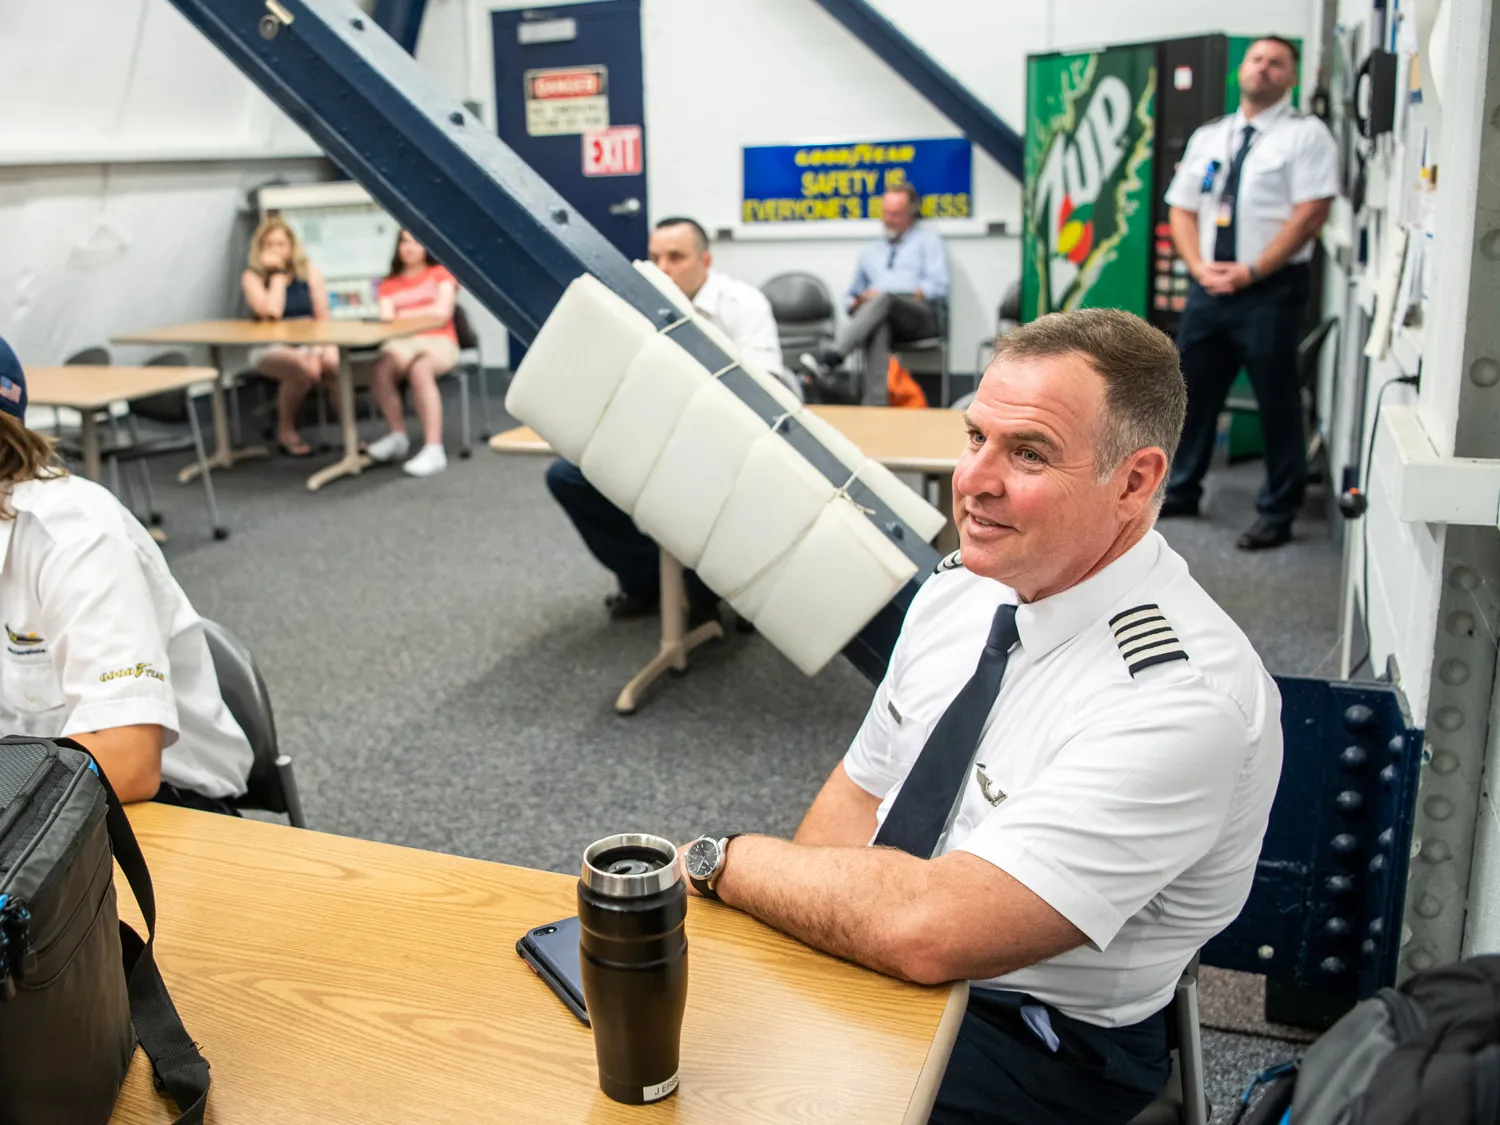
1426,1053
78,987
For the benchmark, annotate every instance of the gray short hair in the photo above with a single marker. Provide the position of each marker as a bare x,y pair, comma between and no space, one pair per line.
1145,395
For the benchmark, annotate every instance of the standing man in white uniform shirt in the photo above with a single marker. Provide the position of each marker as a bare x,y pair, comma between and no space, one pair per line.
1061,786
679,248
101,644
1250,195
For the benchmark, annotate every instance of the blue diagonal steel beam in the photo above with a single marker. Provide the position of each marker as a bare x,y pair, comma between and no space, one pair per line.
980,124
509,238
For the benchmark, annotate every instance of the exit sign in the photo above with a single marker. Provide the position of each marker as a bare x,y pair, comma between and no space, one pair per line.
612,152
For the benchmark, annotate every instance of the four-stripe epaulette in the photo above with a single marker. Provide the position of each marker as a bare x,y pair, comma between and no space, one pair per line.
1145,638
955,561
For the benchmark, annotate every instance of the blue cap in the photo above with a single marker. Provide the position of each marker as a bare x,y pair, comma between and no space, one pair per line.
12,384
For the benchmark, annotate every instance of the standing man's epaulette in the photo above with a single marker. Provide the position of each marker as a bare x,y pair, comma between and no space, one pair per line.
955,561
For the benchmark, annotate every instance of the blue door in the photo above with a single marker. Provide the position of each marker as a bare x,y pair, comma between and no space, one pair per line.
568,99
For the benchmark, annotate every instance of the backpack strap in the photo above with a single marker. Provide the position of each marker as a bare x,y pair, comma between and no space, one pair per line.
177,1067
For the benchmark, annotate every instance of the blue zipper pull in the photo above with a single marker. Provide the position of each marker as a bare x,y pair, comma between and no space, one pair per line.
16,955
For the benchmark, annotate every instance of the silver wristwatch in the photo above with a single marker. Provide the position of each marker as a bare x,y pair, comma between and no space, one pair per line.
705,863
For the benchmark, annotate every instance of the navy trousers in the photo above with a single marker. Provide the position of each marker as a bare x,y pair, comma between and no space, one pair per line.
1258,329
1003,1073
613,538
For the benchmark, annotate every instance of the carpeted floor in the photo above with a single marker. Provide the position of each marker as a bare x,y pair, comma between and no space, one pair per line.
444,674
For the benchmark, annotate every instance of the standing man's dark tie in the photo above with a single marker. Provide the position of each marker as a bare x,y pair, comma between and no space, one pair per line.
1224,248
922,809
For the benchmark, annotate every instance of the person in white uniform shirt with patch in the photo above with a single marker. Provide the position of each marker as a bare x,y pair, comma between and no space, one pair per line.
1061,787
101,644
1248,198
679,248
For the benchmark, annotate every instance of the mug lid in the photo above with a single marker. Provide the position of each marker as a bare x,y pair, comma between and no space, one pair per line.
631,865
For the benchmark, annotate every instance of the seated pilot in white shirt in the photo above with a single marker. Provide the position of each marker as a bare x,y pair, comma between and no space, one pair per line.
1067,771
101,644
679,248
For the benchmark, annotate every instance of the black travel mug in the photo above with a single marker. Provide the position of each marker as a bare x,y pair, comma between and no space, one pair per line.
633,953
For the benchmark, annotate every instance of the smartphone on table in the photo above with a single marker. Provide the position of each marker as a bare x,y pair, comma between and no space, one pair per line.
552,953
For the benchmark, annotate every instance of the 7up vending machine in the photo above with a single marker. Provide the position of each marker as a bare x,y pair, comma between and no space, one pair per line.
1090,135
1104,132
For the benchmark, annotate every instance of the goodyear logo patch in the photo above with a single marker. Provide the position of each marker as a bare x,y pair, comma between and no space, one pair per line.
134,672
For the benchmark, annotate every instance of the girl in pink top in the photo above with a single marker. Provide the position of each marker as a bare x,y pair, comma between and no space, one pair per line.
416,286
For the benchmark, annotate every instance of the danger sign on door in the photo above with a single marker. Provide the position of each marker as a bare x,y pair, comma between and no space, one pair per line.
612,152
565,100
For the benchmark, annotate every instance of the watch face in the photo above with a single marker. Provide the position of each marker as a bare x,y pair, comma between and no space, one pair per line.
702,857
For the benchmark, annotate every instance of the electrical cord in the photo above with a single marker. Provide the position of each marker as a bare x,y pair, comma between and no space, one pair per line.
1362,510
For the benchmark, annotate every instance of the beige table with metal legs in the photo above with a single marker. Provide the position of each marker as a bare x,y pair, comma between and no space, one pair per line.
905,441
346,335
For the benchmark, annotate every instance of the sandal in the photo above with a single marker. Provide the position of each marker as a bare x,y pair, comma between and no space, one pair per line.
299,451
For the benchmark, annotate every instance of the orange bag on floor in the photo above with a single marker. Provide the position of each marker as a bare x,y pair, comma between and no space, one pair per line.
901,389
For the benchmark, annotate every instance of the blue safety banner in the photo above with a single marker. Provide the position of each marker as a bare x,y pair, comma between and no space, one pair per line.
839,182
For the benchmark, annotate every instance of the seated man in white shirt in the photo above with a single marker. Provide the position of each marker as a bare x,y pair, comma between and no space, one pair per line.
679,248
1061,787
101,644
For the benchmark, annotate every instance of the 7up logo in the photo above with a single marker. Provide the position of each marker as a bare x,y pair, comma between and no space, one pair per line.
1089,186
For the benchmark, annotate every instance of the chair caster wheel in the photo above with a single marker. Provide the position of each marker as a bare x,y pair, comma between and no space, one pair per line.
465,454
221,533
484,437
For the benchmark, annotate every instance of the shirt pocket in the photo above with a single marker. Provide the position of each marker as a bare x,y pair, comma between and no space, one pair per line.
32,688
908,736
1270,186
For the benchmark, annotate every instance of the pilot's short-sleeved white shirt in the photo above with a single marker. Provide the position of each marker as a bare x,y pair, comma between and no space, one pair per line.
98,634
1125,773
1292,159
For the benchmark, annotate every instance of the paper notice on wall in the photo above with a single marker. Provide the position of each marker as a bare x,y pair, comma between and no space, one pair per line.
564,100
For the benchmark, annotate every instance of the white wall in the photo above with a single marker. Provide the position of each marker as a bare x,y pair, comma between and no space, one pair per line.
127,147
731,73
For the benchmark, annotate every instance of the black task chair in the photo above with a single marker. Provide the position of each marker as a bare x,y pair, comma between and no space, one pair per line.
803,311
1007,319
929,355
471,358
1183,1102
168,410
272,785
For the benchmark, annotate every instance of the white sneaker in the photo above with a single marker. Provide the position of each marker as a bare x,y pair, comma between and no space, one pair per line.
429,461
392,447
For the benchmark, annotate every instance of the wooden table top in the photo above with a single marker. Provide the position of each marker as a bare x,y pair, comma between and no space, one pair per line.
337,980
93,388
918,441
340,333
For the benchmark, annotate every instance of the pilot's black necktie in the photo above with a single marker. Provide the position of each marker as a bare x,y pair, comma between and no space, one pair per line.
1224,240
921,810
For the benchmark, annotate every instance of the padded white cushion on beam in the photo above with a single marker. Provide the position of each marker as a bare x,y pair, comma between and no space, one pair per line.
575,364
914,511
661,381
696,469
789,402
834,581
775,499
669,288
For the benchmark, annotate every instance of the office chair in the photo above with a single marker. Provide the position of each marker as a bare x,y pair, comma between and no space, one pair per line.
171,409
803,310
1183,1102
929,356
470,357
1007,318
272,786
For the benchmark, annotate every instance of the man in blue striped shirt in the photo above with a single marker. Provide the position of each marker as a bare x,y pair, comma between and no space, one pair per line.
894,298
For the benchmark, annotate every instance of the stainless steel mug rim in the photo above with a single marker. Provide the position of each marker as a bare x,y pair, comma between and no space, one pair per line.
631,886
